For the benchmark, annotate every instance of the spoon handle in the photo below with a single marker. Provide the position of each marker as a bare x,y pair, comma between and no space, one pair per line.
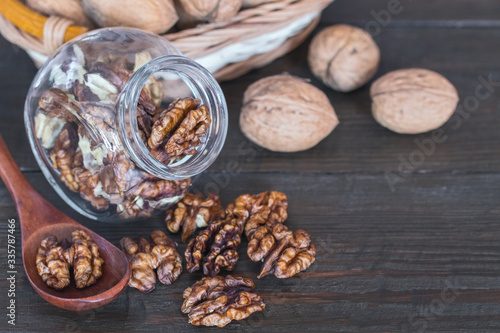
31,207
13,178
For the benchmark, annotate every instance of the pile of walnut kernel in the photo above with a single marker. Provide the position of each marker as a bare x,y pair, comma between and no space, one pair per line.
217,300
76,123
145,256
261,217
54,260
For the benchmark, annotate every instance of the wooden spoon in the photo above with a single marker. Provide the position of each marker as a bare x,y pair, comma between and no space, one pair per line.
39,219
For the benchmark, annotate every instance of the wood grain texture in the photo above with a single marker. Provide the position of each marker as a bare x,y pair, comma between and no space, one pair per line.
422,255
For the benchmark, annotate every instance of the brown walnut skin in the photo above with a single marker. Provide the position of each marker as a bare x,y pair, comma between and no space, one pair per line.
156,16
412,101
343,57
286,114
216,301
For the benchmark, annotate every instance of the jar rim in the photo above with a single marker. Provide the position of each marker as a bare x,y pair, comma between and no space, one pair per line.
203,86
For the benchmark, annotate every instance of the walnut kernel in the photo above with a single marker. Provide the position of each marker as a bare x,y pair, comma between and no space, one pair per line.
55,258
160,253
216,301
193,212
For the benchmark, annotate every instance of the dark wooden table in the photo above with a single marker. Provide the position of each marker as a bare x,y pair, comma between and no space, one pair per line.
419,252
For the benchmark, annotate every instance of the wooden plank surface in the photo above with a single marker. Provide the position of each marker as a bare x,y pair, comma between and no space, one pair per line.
421,254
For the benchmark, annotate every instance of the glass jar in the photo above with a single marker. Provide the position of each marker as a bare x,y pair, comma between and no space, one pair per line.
119,121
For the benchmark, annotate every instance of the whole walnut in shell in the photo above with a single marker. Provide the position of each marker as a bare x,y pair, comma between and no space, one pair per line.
286,114
411,101
192,12
343,57
70,9
156,16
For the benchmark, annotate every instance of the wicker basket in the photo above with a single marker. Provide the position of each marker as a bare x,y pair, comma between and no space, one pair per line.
251,39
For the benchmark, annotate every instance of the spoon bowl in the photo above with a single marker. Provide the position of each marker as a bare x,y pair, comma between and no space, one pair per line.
39,219
105,290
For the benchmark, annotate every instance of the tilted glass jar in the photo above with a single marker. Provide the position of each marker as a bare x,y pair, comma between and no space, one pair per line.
95,116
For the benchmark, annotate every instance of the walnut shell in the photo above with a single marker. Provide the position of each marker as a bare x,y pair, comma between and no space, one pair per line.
156,16
70,9
192,12
411,101
286,114
343,57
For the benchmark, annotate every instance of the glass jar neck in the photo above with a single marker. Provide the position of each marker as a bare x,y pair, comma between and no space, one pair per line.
203,86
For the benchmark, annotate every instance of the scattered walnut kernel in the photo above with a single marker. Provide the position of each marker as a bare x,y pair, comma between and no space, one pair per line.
161,254
414,100
216,301
192,212
286,114
291,253
216,246
269,208
54,259
283,252
343,57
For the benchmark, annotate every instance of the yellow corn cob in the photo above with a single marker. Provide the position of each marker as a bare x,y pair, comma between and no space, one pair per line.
32,22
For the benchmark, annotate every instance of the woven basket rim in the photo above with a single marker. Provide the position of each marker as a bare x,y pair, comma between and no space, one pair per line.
195,42
272,15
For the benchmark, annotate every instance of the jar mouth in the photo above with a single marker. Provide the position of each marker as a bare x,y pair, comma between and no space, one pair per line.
204,87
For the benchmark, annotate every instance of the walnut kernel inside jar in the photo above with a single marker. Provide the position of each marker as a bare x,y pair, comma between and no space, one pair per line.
120,122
